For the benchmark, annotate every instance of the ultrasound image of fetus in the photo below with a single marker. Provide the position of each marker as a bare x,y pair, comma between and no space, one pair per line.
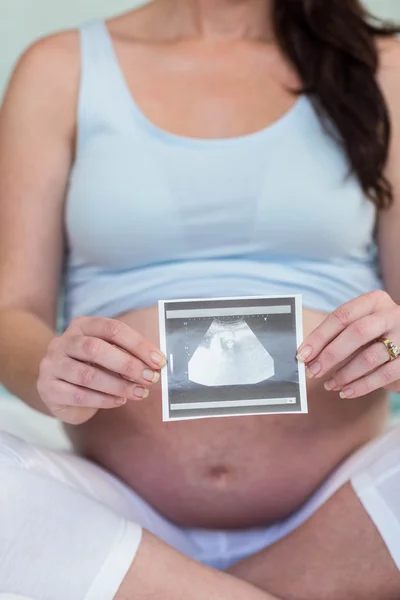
230,354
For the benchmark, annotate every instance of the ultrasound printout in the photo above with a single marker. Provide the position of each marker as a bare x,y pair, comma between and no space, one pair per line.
231,357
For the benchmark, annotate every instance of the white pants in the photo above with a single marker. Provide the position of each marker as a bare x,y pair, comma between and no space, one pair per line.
70,531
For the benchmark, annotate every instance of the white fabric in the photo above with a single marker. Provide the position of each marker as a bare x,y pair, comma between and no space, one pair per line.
32,426
378,487
69,530
13,597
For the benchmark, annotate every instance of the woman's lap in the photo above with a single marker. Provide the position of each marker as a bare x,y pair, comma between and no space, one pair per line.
68,528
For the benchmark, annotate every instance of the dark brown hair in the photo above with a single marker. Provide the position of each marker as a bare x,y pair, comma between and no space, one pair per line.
333,46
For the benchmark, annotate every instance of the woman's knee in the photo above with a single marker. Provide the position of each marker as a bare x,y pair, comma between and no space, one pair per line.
377,486
56,541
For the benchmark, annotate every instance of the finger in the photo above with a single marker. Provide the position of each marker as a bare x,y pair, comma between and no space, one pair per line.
110,357
366,362
353,338
91,377
123,336
385,376
341,318
71,395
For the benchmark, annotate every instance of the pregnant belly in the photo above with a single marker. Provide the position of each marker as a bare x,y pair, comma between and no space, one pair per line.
230,472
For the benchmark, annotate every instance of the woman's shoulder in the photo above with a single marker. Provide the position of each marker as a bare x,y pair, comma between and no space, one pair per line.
47,74
55,57
43,89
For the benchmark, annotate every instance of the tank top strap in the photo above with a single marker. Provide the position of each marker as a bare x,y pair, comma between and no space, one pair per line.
102,96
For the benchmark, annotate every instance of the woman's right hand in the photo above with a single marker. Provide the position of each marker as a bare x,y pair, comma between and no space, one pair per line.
96,363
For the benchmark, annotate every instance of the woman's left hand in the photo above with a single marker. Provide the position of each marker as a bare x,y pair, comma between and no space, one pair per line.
346,347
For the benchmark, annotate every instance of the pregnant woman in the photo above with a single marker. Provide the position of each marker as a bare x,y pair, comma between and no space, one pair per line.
200,148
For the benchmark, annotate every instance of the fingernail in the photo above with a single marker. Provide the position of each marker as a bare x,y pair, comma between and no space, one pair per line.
313,370
304,353
346,393
151,376
120,401
141,392
158,359
330,385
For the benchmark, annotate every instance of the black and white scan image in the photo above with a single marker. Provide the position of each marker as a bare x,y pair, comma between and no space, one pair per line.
231,357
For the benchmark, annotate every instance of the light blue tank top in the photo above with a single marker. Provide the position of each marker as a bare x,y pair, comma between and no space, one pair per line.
151,215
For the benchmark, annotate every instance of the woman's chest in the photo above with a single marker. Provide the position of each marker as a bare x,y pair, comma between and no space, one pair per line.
280,192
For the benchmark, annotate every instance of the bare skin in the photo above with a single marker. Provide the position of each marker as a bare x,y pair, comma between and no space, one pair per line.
179,578
337,553
216,483
206,51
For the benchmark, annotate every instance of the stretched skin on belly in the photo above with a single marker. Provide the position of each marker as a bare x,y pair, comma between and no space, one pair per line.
228,472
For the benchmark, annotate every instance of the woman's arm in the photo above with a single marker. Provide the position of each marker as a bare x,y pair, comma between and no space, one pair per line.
36,146
96,363
353,334
389,221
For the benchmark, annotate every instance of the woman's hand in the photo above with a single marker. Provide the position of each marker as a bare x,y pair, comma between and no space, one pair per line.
96,363
345,347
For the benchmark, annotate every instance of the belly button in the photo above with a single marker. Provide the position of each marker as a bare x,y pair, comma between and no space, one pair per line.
221,475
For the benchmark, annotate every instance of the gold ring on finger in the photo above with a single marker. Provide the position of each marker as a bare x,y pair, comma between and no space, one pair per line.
391,347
